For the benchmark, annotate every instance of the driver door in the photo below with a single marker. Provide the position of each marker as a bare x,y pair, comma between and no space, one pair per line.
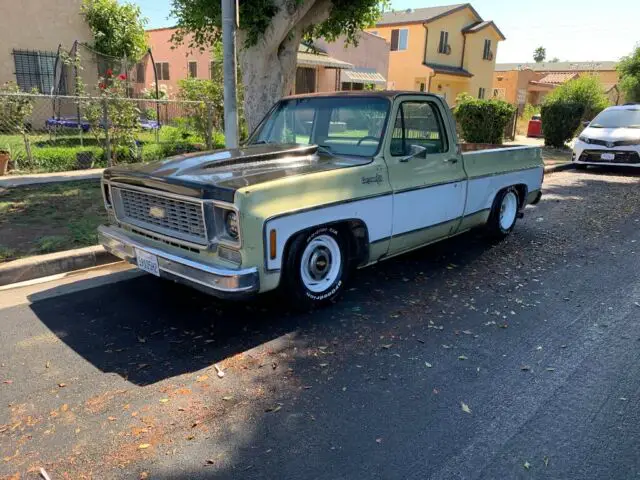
429,189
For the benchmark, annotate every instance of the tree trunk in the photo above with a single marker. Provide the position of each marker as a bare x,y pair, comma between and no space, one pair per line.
267,77
269,68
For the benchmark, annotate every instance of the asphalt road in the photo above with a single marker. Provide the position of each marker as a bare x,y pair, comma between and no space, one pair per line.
536,337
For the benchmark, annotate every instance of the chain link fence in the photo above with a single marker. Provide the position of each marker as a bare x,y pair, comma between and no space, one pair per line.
44,133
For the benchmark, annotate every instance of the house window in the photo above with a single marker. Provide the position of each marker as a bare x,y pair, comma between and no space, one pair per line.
37,70
399,39
140,72
481,93
193,69
443,46
486,53
162,70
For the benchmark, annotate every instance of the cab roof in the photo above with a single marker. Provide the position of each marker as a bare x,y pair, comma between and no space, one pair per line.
361,93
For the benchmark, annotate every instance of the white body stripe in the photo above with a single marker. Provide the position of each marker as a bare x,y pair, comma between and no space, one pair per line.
483,190
374,212
428,206
390,214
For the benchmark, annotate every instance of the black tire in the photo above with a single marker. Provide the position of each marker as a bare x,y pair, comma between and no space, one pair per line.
293,286
496,228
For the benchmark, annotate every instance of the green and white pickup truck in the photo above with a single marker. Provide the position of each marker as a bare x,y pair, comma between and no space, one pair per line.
327,183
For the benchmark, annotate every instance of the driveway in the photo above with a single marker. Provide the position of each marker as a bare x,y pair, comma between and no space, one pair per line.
464,360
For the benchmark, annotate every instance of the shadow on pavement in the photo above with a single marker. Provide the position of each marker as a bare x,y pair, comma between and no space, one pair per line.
146,329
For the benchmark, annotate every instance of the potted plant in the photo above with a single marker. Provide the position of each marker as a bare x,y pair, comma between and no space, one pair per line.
5,157
84,159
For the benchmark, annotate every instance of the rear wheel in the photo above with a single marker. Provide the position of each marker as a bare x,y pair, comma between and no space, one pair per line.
316,267
504,213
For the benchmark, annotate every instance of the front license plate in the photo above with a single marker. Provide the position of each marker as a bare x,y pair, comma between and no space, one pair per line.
608,156
147,262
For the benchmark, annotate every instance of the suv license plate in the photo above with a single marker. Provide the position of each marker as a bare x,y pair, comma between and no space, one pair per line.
147,262
608,156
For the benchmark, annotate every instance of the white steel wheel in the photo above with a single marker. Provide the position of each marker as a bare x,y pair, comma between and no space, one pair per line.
508,210
320,264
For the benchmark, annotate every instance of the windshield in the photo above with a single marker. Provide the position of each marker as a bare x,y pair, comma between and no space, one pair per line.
617,118
340,125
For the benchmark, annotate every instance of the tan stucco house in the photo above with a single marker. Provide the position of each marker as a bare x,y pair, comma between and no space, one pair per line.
32,31
520,83
446,50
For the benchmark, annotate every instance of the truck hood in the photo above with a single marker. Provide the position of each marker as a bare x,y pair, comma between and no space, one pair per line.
217,175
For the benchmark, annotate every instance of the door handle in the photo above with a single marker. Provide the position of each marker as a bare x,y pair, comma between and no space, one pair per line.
451,160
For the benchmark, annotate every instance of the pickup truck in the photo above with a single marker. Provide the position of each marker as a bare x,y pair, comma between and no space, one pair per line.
326,183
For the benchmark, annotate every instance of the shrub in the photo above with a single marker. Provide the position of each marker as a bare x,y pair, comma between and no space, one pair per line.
560,120
483,121
629,71
586,91
60,159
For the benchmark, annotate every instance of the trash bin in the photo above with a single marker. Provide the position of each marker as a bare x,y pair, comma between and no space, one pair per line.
535,127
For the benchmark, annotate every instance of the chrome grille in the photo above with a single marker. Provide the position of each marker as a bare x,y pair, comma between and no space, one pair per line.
176,218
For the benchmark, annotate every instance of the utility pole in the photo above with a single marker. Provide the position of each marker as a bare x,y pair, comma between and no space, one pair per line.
229,24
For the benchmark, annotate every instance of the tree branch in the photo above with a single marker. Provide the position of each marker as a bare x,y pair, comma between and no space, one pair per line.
287,18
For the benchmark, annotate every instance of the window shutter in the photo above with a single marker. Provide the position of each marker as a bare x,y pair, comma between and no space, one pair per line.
394,39
165,71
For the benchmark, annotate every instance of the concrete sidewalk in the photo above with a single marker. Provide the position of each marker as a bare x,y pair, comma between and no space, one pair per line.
10,181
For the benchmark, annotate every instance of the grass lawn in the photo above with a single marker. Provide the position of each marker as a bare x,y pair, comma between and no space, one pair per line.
49,218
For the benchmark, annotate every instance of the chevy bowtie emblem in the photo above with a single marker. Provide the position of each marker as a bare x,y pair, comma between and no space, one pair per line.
610,144
157,212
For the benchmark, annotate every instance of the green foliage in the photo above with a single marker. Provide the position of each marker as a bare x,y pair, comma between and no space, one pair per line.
14,111
118,29
60,159
629,71
539,54
482,121
203,19
530,110
586,91
205,110
560,121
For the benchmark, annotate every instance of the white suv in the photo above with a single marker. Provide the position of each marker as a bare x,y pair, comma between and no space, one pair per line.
612,138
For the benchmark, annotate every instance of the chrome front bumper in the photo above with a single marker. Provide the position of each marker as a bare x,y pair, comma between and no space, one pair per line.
218,281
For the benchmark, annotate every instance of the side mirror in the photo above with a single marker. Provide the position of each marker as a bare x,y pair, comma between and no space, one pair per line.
414,151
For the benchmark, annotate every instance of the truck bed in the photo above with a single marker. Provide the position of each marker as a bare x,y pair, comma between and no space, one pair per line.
486,159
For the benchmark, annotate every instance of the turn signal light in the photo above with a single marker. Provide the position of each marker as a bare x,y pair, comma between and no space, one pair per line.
272,244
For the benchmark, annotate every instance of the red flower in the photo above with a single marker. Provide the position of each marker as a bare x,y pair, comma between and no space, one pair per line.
102,86
122,76
109,72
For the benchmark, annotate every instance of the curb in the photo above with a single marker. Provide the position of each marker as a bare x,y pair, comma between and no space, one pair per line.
54,263
559,168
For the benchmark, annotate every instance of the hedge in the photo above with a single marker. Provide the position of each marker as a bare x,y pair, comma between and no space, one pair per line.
483,121
560,121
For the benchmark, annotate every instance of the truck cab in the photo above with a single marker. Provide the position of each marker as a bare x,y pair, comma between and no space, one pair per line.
327,183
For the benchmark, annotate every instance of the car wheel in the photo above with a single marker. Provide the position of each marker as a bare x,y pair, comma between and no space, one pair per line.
504,213
316,267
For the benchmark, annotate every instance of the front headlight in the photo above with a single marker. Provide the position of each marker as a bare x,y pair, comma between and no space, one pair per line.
231,225
584,139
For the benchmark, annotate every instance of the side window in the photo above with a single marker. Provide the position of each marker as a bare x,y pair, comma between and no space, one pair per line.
418,123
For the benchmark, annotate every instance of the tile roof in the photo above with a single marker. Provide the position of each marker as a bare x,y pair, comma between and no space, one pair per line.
558,66
419,15
557,78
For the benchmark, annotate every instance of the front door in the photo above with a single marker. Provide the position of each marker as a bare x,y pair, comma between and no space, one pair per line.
429,189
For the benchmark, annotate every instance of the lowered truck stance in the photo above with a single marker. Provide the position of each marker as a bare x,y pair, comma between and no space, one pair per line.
325,184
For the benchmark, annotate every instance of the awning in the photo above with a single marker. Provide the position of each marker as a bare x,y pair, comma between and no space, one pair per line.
363,75
448,70
313,60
